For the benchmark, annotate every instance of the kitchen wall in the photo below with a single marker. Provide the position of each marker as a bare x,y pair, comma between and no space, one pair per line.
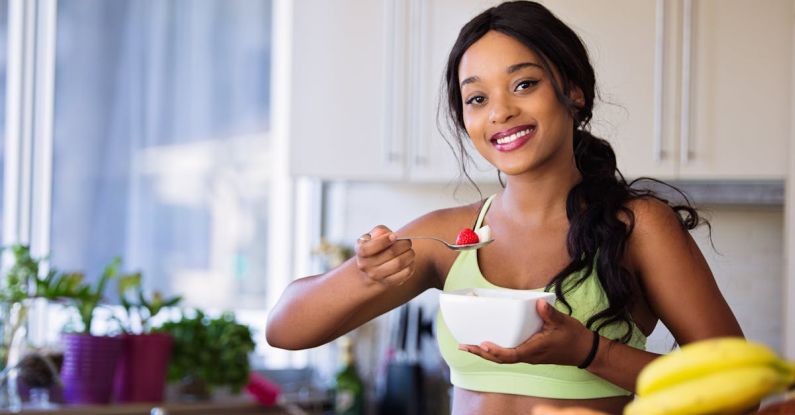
747,258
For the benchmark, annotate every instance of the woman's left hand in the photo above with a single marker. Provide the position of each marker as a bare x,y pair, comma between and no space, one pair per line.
563,340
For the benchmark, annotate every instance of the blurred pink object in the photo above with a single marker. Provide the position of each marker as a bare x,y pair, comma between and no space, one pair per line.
265,391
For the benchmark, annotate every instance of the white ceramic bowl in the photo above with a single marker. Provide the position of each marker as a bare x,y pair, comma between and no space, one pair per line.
499,315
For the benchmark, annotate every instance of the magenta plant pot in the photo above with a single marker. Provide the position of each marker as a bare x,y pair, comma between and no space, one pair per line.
88,367
141,376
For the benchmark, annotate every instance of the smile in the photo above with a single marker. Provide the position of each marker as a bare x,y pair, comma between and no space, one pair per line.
513,138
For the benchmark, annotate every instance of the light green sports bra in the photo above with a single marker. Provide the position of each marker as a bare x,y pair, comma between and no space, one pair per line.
472,372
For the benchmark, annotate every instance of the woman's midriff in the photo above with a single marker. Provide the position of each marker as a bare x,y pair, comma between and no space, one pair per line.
467,402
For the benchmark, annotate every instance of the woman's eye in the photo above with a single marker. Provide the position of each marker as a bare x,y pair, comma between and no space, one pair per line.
476,100
525,84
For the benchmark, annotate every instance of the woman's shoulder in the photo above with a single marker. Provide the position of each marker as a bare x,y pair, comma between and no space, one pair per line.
657,232
651,216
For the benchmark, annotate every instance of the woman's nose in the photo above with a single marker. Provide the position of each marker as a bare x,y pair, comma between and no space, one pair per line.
502,110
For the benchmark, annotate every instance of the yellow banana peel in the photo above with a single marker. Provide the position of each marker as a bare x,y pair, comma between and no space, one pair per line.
726,391
694,360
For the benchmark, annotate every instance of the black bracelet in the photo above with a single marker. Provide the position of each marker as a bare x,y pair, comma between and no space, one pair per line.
585,363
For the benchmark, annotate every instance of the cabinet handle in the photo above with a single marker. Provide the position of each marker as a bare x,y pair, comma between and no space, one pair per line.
417,24
659,64
687,68
394,59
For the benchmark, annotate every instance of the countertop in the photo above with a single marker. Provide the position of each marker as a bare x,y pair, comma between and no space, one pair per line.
208,408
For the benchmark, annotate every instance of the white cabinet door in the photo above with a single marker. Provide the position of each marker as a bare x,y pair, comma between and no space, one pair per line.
740,90
343,124
620,36
437,23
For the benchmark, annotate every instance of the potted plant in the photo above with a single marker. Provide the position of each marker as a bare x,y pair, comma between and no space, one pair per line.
208,353
20,286
141,374
90,361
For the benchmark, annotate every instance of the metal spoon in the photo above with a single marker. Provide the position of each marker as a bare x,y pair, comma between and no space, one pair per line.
454,247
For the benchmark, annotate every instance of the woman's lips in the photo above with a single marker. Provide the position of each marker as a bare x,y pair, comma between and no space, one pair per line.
514,138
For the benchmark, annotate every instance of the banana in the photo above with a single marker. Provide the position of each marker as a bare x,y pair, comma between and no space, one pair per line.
724,391
694,360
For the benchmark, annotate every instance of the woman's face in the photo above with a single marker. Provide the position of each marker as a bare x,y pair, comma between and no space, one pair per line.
510,109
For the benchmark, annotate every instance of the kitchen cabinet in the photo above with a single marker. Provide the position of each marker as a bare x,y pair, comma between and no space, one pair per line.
344,118
621,47
690,89
364,83
740,95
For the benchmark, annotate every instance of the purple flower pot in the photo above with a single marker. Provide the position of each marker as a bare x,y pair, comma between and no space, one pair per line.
88,367
141,376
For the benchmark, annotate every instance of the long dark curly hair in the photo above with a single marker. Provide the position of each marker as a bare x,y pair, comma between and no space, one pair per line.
597,235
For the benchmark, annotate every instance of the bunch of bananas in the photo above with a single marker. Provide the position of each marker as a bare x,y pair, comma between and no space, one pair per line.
717,376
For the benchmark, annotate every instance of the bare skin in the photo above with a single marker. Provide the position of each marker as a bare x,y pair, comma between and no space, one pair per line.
504,88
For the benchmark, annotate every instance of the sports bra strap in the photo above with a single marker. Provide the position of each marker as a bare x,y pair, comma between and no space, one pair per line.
483,211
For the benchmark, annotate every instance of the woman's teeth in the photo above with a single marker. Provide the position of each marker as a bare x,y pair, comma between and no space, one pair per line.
513,137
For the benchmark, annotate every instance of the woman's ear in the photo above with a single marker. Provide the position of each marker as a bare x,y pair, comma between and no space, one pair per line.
576,95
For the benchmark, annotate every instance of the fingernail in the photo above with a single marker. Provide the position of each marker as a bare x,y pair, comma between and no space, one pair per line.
462,348
484,347
392,237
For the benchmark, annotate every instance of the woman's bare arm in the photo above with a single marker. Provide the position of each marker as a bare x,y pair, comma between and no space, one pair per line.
384,274
677,284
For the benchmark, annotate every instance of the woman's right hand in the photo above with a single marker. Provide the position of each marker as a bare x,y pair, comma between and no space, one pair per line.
381,259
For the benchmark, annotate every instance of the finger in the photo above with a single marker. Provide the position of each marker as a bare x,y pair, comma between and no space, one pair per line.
547,313
477,350
502,354
396,249
380,238
393,265
372,262
400,277
380,230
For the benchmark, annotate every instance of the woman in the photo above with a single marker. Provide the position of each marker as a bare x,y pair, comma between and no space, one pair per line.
521,88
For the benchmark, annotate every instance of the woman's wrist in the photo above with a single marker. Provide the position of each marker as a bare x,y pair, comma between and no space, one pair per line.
600,360
592,350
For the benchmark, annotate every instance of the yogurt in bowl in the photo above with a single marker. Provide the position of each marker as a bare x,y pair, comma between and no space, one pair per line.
502,316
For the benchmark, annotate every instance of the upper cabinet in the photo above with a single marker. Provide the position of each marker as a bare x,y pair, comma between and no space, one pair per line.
623,39
343,90
689,89
738,124
366,78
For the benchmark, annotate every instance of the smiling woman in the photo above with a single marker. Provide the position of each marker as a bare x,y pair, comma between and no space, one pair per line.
521,88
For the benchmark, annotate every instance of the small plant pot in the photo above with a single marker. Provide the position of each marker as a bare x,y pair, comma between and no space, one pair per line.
193,389
89,367
141,375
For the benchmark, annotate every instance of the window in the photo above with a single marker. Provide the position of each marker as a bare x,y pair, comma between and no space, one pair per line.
3,54
160,144
143,130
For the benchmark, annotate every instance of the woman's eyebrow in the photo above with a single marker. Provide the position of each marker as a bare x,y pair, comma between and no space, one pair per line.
519,66
470,80
511,69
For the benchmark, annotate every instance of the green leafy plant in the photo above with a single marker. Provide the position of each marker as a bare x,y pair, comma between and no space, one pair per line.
87,297
137,307
214,350
22,280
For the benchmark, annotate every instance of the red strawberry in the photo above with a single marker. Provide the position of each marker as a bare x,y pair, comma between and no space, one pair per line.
467,237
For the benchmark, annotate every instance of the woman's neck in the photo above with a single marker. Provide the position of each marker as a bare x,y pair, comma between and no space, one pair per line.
538,198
